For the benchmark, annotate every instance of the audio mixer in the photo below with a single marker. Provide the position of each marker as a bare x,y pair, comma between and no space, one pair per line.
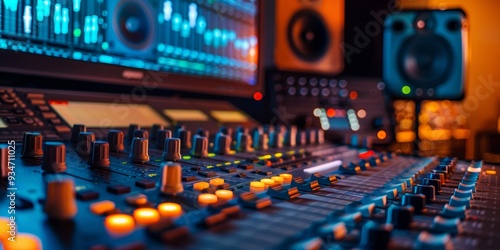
174,186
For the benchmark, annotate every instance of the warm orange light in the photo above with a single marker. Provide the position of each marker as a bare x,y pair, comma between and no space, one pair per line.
170,209
405,136
361,113
119,224
207,199
330,112
287,178
491,172
257,96
5,228
257,186
278,179
353,95
102,207
224,194
200,186
267,182
146,216
216,182
381,135
24,241
252,52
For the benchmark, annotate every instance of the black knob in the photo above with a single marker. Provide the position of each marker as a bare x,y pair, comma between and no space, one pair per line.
311,136
172,149
141,133
139,150
244,142
222,144
375,236
291,136
200,146
154,131
100,154
260,141
417,201
131,130
185,137
54,157
276,139
85,140
400,216
4,160
75,131
301,138
115,140
161,135
203,133
432,182
32,145
427,190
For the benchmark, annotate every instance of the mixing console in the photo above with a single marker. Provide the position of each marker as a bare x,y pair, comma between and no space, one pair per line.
262,187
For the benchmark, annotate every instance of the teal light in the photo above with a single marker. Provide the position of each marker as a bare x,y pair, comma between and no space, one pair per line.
77,32
105,45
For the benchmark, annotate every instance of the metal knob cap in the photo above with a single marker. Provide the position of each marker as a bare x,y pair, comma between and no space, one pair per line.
115,140
139,150
100,154
32,145
84,144
54,157
172,149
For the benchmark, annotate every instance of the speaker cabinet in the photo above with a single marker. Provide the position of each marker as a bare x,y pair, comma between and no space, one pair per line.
308,35
132,28
425,54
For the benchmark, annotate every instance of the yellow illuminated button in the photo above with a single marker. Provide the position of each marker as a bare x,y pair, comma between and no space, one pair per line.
491,172
170,209
200,186
24,241
102,207
267,182
216,182
257,186
287,178
6,228
224,194
278,179
119,224
146,216
207,199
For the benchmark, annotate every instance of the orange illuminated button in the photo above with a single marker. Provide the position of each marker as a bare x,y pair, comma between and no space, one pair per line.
146,216
170,209
257,186
267,182
287,178
278,179
224,194
102,207
207,199
216,182
119,224
491,172
24,241
200,186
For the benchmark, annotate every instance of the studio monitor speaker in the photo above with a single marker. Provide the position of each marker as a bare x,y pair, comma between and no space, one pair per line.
308,35
425,54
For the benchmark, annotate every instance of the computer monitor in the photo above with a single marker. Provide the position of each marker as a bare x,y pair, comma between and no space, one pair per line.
208,46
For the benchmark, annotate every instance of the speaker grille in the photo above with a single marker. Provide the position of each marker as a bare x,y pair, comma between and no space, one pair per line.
308,35
134,24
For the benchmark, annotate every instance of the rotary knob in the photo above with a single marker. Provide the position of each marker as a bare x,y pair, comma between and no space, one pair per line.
84,144
222,144
185,137
203,133
244,142
200,147
141,133
131,130
100,154
291,136
32,145
172,149
139,150
60,201
54,157
161,135
171,178
75,131
276,139
260,141
226,130
115,140
154,131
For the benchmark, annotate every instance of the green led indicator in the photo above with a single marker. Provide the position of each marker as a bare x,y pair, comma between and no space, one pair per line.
77,32
406,90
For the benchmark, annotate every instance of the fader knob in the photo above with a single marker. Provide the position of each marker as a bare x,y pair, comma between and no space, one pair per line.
60,201
200,146
139,150
154,131
99,156
291,136
172,149
276,139
417,201
375,236
32,145
4,160
260,141
75,131
427,190
400,216
244,142
85,140
433,182
222,144
141,133
185,137
161,135
171,178
115,140
131,130
54,157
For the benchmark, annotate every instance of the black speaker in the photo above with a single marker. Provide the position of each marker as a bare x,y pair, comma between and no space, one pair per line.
425,54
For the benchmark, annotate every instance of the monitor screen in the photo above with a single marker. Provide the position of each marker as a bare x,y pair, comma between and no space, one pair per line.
199,45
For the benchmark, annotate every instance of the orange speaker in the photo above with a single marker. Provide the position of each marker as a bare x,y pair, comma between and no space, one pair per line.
308,35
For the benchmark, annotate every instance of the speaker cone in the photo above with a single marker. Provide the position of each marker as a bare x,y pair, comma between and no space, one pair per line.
425,60
308,35
134,23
